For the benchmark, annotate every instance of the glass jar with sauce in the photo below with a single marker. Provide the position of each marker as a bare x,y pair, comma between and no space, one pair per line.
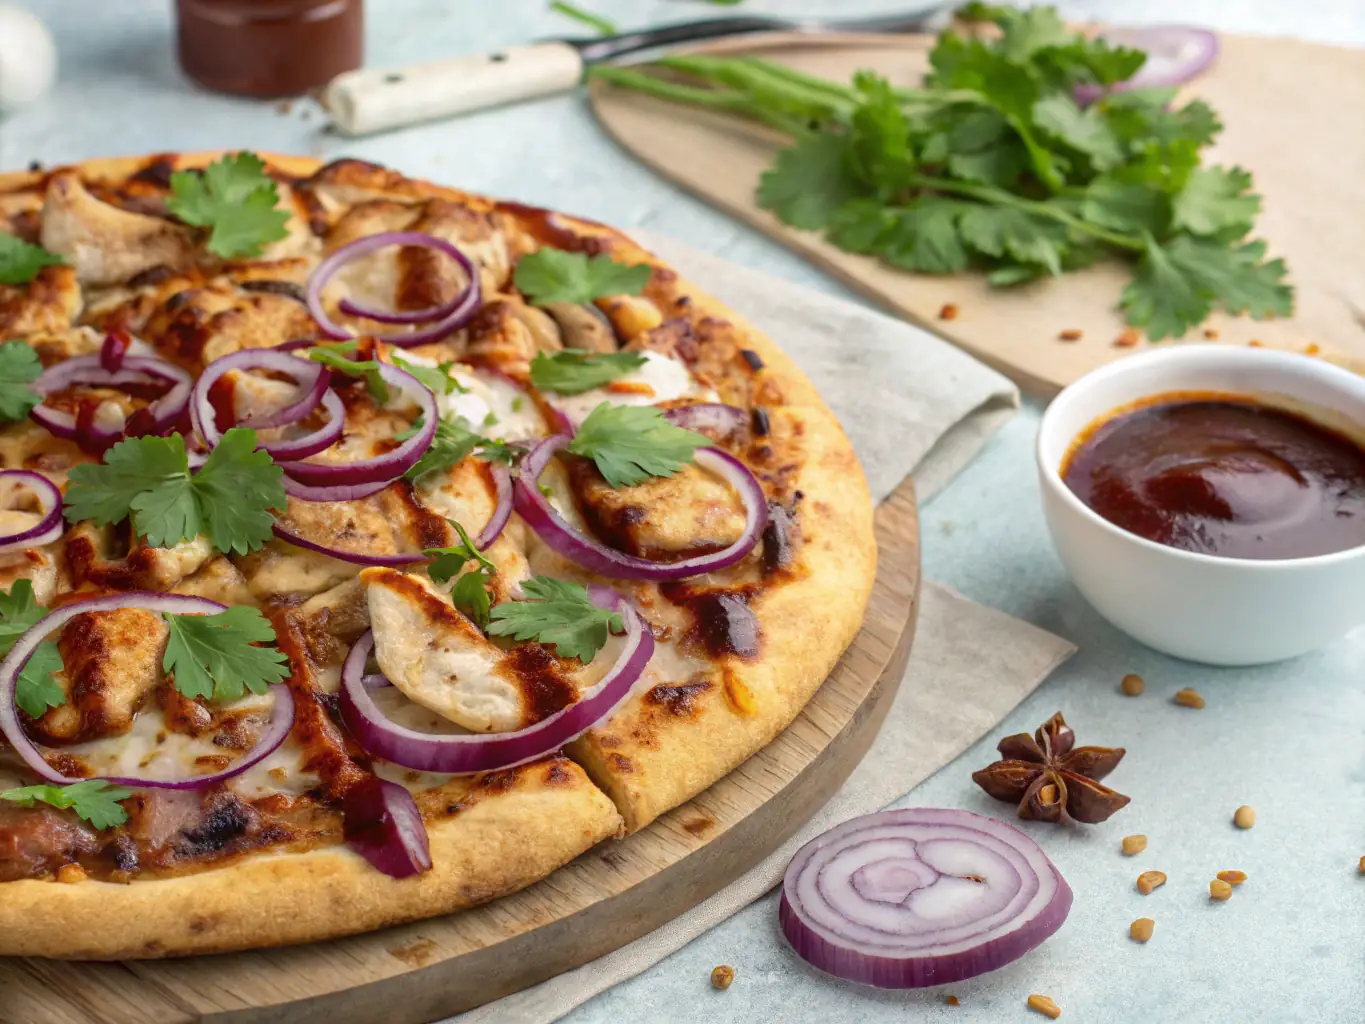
268,48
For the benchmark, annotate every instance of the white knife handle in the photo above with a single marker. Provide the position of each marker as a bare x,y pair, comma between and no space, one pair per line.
375,100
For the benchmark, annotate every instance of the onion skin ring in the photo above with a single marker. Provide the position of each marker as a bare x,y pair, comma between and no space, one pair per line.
49,527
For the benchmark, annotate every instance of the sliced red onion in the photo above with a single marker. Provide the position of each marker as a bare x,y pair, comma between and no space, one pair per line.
335,492
281,720
596,557
502,512
439,320
1175,54
135,372
381,822
113,350
723,419
463,754
917,897
354,557
387,467
49,526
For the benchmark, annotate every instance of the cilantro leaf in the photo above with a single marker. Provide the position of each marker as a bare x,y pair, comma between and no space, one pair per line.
556,612
94,800
808,182
235,199
548,275
35,690
861,225
148,478
370,370
21,261
1002,231
631,443
1083,130
1125,206
879,137
1161,298
470,596
924,237
453,443
572,371
446,562
1214,200
438,379
213,655
19,367
19,610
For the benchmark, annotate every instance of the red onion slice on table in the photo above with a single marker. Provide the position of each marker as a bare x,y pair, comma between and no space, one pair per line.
917,897
596,557
381,822
437,321
463,754
281,720
1175,54
49,525
135,373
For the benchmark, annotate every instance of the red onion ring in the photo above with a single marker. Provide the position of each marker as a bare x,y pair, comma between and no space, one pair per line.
723,419
136,371
910,898
381,822
1175,54
49,526
502,511
312,380
387,467
354,557
463,754
551,527
113,350
271,737
440,320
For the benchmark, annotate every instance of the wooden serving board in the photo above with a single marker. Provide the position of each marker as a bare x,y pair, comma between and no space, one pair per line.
1294,115
609,896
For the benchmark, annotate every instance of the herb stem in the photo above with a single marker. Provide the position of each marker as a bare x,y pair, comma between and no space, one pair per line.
595,22
716,99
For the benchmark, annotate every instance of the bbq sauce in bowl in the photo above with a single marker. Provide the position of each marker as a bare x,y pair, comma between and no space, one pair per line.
1222,474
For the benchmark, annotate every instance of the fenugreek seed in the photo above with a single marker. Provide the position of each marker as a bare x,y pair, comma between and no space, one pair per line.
1233,877
1244,817
1141,929
1189,698
1071,334
1134,844
1132,684
1149,880
952,1000
1045,1006
948,312
722,976
1127,338
1219,889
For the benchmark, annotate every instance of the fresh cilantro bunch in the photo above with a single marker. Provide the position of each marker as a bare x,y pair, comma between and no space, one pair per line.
235,199
992,165
21,261
548,276
556,612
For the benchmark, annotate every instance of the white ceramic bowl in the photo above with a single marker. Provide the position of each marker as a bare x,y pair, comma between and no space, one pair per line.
1223,611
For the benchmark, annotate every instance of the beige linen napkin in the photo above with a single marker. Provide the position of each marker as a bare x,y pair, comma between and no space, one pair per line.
912,405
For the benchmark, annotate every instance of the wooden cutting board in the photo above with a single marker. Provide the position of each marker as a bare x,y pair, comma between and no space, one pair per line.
1294,115
609,896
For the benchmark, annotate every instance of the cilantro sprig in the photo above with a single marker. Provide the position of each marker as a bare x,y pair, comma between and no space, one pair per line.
572,371
631,443
235,199
149,480
436,379
214,655
556,612
992,165
455,441
368,370
19,367
35,690
470,592
94,800
21,261
548,276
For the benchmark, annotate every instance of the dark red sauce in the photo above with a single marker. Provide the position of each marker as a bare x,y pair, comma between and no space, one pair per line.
1222,475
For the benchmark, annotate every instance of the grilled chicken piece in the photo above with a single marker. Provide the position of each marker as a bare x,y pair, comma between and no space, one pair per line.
51,302
36,841
90,558
104,244
112,662
217,579
439,659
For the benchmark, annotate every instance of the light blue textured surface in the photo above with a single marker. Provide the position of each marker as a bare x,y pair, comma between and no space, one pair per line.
1288,947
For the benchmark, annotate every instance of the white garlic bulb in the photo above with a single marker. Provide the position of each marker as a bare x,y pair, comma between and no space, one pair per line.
28,58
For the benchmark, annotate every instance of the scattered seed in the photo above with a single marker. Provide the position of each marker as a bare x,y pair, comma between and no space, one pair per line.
1071,334
1362,865
1189,698
1149,880
1210,333
1244,817
1134,844
1132,684
952,1001
1045,1006
722,976
1233,877
1255,343
948,312
1127,338
1141,929
1219,890
1047,796
1312,348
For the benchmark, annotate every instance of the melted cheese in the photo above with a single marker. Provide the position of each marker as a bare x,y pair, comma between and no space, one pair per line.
661,379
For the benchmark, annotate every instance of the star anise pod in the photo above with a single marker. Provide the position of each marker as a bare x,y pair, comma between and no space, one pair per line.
1052,779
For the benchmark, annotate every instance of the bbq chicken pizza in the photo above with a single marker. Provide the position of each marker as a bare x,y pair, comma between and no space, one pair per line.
369,549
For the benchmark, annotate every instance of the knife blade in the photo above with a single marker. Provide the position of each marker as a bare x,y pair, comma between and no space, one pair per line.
372,100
